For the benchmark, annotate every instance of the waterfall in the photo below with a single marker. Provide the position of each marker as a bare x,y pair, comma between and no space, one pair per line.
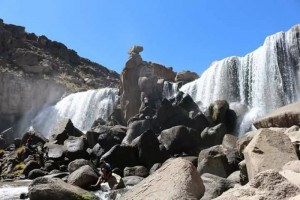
170,89
264,80
83,108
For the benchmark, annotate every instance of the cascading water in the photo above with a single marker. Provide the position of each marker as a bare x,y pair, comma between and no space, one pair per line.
83,108
264,80
170,89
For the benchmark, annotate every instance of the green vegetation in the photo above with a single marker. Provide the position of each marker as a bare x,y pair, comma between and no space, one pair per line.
1,153
85,196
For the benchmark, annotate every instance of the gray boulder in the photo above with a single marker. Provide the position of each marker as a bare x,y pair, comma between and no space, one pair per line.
132,180
36,173
55,188
136,128
76,164
31,165
215,186
55,151
181,139
136,171
63,130
229,141
75,148
216,160
212,136
186,76
83,177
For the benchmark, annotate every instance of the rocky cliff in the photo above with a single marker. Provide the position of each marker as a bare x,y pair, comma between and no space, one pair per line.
36,72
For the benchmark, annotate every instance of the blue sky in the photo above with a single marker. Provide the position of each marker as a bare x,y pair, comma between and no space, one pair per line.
187,35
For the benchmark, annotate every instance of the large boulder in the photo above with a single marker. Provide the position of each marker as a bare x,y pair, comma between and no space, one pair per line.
167,183
93,134
181,139
36,137
243,141
170,115
212,136
75,148
83,177
121,156
136,128
36,173
31,165
136,171
55,151
229,141
186,102
55,188
268,150
76,164
63,130
217,160
285,116
291,171
186,76
219,112
148,148
267,185
112,137
214,186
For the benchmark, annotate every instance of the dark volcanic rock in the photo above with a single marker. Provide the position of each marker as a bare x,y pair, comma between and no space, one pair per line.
148,149
111,137
93,134
180,139
213,136
220,113
36,173
136,128
122,156
31,165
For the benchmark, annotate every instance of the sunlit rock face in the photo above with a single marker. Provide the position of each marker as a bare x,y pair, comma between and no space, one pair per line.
265,79
83,108
141,82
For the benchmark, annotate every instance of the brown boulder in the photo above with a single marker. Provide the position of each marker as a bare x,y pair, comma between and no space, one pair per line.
285,116
168,183
268,150
267,185
186,76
